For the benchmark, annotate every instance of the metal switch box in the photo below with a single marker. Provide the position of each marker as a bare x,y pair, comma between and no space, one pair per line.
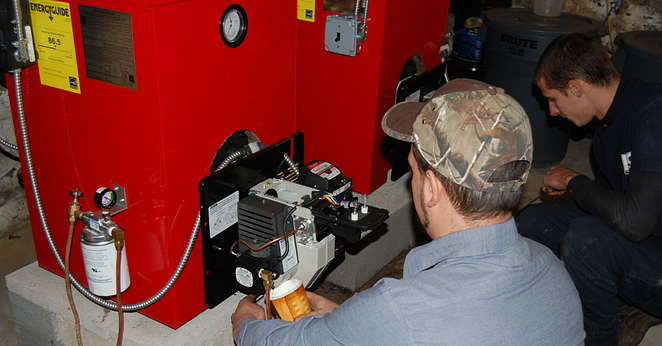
340,35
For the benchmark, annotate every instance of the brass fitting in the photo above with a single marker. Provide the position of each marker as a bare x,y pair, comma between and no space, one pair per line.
74,206
267,279
118,235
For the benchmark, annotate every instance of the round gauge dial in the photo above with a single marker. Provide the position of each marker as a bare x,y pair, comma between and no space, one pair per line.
104,198
234,25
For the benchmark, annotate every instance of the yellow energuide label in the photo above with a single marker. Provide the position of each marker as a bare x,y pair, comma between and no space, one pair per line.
54,40
306,10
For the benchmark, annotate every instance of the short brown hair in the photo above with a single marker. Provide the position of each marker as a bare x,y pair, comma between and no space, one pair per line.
479,205
575,56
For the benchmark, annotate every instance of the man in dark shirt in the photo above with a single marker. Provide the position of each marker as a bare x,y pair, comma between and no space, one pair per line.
610,236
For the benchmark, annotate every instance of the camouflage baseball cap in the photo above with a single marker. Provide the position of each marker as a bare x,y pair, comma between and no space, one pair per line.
466,131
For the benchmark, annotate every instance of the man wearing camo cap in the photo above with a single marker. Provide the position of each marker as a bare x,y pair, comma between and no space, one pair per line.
477,282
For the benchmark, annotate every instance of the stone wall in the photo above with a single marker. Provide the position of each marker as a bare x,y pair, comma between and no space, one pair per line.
13,207
630,15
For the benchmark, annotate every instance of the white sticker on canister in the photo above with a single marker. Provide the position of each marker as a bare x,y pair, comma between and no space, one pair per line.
243,276
100,268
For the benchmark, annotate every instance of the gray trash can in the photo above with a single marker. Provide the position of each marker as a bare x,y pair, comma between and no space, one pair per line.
639,55
515,38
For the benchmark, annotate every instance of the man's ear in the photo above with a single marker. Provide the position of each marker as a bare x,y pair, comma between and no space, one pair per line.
436,189
576,88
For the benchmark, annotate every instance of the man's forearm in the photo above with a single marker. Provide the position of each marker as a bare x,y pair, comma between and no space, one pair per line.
634,213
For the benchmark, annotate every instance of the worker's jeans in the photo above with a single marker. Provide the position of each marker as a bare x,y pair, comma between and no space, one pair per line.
603,265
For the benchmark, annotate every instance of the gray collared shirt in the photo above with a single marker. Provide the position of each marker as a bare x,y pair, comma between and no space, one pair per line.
481,286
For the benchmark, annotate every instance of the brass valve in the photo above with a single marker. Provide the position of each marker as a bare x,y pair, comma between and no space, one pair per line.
74,206
267,279
118,236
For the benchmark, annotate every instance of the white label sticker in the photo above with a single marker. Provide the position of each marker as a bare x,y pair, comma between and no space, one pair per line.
291,260
319,166
94,224
342,189
324,170
223,214
243,276
627,161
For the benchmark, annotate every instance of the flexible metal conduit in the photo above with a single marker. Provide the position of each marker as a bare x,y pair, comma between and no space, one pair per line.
7,144
241,153
21,50
292,165
106,303
364,33
231,158
20,54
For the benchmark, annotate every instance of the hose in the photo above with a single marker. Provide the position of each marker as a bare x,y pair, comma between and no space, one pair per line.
106,303
267,302
67,283
119,246
7,144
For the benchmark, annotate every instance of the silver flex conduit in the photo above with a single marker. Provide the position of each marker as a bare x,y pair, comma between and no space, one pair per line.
21,55
106,303
363,34
7,144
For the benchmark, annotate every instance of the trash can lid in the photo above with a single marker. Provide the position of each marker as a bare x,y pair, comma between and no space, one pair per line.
644,44
524,21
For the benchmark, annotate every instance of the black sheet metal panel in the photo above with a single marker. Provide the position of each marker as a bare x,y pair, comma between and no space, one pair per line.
238,178
639,55
515,38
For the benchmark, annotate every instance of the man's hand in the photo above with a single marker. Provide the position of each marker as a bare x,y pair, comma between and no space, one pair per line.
318,304
557,178
246,308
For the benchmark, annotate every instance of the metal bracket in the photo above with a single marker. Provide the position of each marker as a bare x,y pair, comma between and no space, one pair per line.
121,204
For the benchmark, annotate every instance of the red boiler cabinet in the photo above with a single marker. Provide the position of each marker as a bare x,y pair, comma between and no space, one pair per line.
341,97
151,91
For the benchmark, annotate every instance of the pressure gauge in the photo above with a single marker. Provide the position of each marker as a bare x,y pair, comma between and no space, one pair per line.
105,198
234,25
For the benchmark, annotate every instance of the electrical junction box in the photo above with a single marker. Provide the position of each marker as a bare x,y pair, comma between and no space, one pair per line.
340,35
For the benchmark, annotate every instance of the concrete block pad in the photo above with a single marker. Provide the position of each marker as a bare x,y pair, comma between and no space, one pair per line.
42,316
378,248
